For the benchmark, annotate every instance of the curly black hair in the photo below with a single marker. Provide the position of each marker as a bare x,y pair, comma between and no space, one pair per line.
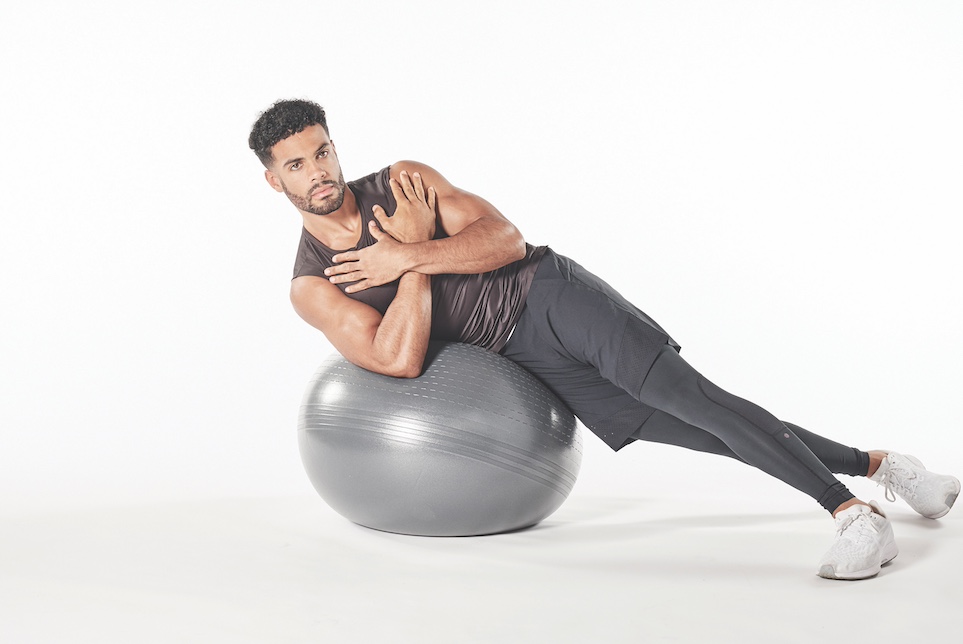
281,120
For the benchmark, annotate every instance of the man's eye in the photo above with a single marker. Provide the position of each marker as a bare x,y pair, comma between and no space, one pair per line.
322,154
295,166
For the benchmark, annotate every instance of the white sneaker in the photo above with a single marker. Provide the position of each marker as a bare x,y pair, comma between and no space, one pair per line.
930,494
864,542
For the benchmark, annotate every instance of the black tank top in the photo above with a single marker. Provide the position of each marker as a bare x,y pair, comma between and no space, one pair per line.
479,309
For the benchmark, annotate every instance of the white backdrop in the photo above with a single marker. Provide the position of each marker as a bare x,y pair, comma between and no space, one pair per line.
777,183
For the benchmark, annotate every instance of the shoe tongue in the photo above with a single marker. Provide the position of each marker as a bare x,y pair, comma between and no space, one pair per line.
875,507
856,509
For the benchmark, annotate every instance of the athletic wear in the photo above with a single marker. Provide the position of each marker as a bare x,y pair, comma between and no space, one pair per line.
476,309
838,458
589,345
752,433
864,542
930,494
622,375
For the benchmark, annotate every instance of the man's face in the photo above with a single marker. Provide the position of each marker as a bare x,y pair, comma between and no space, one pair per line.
306,169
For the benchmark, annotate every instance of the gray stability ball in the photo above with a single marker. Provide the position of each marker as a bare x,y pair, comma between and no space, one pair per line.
475,445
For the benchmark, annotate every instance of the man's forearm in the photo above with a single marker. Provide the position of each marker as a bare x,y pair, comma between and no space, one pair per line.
402,337
482,246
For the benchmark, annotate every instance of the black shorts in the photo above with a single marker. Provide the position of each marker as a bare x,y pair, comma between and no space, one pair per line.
589,345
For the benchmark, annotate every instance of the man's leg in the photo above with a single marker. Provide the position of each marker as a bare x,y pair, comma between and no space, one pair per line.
574,318
752,433
838,458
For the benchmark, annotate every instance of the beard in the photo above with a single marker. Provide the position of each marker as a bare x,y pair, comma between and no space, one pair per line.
324,207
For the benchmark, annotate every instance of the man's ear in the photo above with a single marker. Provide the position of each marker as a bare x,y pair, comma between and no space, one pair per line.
273,180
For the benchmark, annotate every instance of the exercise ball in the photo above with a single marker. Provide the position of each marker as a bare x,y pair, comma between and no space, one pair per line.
475,445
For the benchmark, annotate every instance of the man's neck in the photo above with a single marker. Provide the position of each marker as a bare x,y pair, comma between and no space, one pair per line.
340,229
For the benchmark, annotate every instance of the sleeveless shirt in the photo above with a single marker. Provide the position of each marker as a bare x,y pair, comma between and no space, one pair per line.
479,309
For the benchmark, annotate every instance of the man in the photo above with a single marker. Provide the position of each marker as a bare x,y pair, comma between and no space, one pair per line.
447,265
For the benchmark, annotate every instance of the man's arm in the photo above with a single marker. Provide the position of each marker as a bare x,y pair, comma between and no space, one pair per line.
393,344
479,238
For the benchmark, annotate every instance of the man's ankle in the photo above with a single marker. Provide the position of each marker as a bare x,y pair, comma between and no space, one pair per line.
876,458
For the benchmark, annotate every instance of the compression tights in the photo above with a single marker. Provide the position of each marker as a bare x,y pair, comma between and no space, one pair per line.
695,413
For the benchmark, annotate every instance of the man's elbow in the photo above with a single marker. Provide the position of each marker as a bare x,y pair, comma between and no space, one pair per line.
521,250
392,369
396,365
517,244
410,369
409,373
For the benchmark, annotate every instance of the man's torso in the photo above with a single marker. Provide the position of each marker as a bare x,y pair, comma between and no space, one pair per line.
479,309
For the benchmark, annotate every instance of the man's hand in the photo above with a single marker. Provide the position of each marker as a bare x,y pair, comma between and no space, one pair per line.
414,218
386,260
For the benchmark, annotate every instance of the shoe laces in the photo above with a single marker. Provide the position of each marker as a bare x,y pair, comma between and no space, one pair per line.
856,526
899,479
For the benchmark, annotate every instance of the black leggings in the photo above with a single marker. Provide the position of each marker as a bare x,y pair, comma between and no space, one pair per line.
838,458
693,412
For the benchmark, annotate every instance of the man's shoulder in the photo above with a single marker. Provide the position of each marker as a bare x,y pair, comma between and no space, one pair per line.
409,166
392,170
373,189
377,177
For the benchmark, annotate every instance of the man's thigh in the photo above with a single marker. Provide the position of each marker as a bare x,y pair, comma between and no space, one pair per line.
606,409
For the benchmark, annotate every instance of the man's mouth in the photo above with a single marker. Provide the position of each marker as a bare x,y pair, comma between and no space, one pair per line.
322,191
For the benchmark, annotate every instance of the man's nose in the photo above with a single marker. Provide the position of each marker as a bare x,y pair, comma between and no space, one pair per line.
318,171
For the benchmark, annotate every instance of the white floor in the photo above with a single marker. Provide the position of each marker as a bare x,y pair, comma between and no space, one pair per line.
603,568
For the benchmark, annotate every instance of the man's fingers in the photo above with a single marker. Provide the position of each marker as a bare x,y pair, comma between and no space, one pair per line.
405,188
419,187
347,256
408,187
376,232
405,179
337,270
360,286
380,214
397,190
432,199
352,276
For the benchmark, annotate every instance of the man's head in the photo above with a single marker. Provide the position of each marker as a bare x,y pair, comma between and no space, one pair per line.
280,121
291,140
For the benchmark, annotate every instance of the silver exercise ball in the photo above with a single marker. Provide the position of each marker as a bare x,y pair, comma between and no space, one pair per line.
475,445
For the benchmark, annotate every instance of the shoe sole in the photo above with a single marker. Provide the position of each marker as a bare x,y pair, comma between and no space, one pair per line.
828,572
949,501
